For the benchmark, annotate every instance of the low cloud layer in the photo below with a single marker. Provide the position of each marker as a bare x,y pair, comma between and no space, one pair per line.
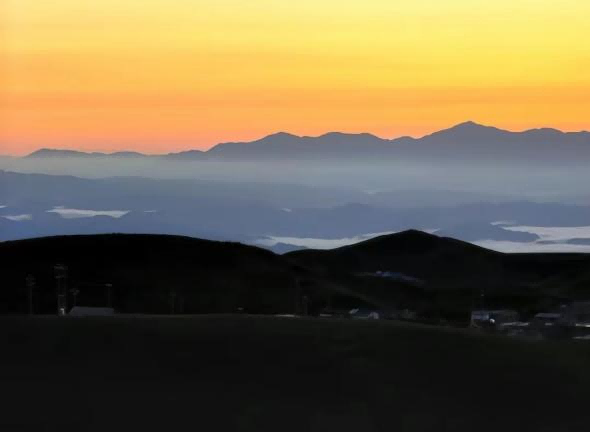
552,240
68,213
22,217
532,247
554,233
317,243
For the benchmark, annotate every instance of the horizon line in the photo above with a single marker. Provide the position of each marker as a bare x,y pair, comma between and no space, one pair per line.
467,122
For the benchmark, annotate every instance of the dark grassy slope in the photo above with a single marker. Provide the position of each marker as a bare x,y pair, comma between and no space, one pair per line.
455,274
448,263
240,373
439,261
209,276
218,277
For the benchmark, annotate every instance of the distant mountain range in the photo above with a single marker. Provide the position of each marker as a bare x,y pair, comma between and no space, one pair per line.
65,153
467,140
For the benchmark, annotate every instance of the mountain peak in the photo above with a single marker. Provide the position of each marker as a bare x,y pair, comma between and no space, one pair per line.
361,137
470,125
467,130
280,134
48,152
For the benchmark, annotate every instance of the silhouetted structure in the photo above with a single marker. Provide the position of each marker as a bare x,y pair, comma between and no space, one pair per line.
61,275
30,283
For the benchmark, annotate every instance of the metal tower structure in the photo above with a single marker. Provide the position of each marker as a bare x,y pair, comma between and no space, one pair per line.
172,301
75,292
61,280
30,282
109,292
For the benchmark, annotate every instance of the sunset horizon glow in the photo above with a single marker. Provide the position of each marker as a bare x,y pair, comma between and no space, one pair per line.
159,76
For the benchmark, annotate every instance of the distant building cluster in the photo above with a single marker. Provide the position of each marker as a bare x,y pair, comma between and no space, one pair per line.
568,321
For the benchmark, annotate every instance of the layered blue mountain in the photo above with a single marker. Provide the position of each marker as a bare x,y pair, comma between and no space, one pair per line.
33,205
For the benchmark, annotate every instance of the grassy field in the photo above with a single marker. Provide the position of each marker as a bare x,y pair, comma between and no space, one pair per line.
243,372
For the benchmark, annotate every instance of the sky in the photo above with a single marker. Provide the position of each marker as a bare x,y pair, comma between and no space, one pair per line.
166,75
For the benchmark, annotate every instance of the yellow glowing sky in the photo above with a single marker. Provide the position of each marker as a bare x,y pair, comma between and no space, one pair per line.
163,75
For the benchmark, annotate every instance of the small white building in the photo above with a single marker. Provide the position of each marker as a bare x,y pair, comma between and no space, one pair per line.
91,311
360,313
487,318
547,319
577,314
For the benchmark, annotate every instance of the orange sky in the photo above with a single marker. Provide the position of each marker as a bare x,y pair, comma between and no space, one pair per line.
165,75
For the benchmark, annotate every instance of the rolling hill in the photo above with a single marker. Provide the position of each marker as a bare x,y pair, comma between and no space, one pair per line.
154,274
441,262
457,276
436,276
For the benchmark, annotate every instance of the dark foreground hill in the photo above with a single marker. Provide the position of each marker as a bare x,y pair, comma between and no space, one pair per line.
456,275
444,262
435,276
438,261
154,274
260,373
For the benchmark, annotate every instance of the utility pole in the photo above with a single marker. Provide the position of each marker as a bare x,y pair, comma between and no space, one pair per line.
61,275
75,292
305,306
482,296
297,296
30,282
172,300
181,304
109,287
